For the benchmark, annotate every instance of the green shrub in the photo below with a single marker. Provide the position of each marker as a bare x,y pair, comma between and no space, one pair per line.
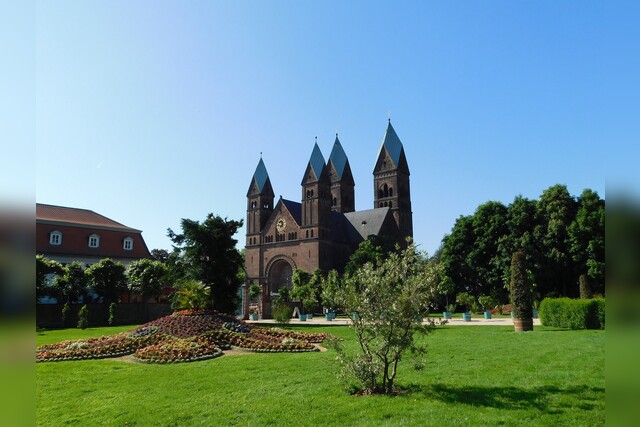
66,308
572,313
113,308
282,313
83,317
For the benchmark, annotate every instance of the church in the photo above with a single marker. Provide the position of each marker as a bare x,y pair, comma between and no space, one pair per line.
323,229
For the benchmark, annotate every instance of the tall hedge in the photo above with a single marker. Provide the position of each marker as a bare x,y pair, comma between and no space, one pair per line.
573,313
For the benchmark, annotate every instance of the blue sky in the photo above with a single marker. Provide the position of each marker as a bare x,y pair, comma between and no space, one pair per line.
153,111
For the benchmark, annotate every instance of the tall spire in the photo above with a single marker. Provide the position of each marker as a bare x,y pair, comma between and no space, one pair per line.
392,144
316,162
260,182
338,157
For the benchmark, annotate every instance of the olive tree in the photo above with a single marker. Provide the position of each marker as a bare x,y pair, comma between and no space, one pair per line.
389,301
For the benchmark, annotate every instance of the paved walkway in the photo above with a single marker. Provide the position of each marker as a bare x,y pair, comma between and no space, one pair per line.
456,321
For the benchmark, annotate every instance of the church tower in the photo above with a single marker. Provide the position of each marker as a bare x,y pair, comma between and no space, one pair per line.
342,183
316,197
391,181
259,203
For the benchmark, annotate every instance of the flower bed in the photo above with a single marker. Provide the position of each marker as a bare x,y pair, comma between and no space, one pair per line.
185,336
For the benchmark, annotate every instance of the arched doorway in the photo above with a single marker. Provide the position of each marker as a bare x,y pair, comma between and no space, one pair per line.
279,275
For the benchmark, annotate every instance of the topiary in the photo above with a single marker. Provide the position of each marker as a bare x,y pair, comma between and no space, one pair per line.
585,287
521,292
113,308
83,317
282,313
65,313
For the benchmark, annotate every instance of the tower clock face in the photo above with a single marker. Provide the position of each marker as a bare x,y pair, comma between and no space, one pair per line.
281,224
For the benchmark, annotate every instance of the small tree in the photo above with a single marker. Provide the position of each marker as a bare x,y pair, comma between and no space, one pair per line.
146,278
330,287
107,279
466,299
71,285
390,299
46,267
281,311
83,317
521,292
487,302
113,312
446,287
307,288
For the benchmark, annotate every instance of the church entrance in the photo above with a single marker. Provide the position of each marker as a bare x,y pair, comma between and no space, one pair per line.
279,275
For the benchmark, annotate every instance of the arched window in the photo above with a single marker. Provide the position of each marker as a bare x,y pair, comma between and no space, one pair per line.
307,234
55,238
312,193
380,194
390,204
390,191
311,233
253,204
386,191
308,194
380,204
335,201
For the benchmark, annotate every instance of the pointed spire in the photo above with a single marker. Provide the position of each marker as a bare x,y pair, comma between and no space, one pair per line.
317,160
392,144
338,157
261,180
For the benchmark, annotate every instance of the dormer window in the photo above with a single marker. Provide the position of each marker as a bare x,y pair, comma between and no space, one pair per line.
94,241
55,238
127,244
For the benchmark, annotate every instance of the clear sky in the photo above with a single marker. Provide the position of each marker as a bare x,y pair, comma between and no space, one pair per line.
152,111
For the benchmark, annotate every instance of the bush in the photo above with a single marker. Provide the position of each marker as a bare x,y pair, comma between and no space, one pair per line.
572,313
66,308
113,308
83,317
282,313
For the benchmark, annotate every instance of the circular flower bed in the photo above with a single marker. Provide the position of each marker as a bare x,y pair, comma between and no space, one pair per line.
184,336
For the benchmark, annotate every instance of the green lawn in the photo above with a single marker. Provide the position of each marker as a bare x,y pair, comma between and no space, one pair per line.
485,375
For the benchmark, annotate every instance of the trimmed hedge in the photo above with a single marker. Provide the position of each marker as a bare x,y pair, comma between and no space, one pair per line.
572,313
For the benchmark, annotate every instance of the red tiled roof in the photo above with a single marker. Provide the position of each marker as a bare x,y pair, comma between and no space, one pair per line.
77,216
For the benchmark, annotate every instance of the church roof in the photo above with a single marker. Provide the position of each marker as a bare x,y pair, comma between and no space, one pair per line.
317,161
392,144
261,175
294,208
338,157
366,223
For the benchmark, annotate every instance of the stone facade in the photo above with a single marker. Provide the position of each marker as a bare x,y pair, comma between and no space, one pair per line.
323,229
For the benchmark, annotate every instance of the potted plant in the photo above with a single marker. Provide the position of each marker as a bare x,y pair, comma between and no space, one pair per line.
487,302
521,293
254,293
466,299
446,286
449,310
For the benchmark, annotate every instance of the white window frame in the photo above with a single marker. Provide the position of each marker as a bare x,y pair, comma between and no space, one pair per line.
55,238
127,244
96,238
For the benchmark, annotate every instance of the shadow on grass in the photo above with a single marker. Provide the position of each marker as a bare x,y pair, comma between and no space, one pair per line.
539,398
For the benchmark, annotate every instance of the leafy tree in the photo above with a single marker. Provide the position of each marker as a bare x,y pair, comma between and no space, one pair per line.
146,278
161,255
390,298
466,299
586,237
373,250
307,288
207,252
330,287
66,309
556,210
113,312
71,285
456,248
44,268
107,278
191,294
446,287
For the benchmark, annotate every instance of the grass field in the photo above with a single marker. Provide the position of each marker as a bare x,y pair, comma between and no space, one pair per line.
485,375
